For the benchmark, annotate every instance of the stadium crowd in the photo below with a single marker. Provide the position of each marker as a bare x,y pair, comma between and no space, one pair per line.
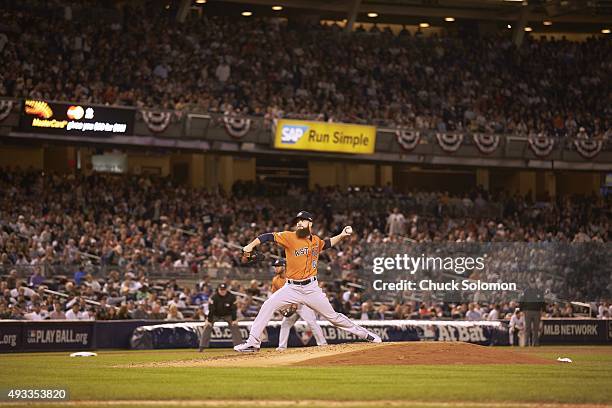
105,238
273,68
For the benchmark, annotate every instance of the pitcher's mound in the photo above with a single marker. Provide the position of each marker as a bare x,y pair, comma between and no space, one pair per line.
404,353
411,353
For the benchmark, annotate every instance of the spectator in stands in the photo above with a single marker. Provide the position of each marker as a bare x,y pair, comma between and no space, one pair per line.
424,312
473,313
568,310
382,84
75,313
92,283
174,313
198,315
79,275
57,313
36,279
564,219
396,223
381,312
21,290
141,312
404,311
37,313
5,313
604,310
253,289
367,310
123,312
156,312
493,313
129,287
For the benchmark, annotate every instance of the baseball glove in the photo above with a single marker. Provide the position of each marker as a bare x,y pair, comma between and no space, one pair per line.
289,311
250,258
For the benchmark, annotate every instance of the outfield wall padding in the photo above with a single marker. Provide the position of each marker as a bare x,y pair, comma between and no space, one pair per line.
62,335
184,335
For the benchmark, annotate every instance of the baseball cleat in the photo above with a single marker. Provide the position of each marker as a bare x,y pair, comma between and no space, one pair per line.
281,348
374,338
246,348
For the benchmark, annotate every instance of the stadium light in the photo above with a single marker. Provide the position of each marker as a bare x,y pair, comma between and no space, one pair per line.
201,1
528,29
277,8
547,23
247,13
449,19
605,31
372,15
424,25
509,26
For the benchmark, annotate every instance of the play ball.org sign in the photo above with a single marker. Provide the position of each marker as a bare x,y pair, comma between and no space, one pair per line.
10,335
9,340
58,336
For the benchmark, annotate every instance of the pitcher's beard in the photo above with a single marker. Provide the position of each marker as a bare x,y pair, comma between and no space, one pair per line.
302,232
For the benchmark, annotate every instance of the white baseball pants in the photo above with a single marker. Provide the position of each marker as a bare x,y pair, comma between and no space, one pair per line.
308,315
310,295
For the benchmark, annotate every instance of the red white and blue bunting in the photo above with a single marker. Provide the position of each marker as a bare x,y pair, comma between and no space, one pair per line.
5,109
486,142
450,142
541,144
587,146
237,127
156,121
407,139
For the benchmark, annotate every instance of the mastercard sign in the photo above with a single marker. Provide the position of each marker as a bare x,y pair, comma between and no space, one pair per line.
76,113
40,116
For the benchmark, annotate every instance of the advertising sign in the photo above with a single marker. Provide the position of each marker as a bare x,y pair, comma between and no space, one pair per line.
324,137
38,116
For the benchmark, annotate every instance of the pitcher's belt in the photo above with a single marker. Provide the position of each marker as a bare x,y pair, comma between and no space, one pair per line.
301,282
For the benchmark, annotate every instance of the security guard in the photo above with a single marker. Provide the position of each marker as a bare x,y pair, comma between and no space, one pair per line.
221,307
532,306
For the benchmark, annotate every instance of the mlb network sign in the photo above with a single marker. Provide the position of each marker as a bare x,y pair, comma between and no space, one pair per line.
324,137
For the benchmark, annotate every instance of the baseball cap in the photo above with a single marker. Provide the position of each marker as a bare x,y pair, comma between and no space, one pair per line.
303,215
280,262
222,286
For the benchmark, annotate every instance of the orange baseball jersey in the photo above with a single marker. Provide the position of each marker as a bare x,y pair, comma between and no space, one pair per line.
302,254
278,281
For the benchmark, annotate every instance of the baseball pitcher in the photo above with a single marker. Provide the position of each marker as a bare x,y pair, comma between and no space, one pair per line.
293,312
302,249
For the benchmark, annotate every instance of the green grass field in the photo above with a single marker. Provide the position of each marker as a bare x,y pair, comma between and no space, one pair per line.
586,381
